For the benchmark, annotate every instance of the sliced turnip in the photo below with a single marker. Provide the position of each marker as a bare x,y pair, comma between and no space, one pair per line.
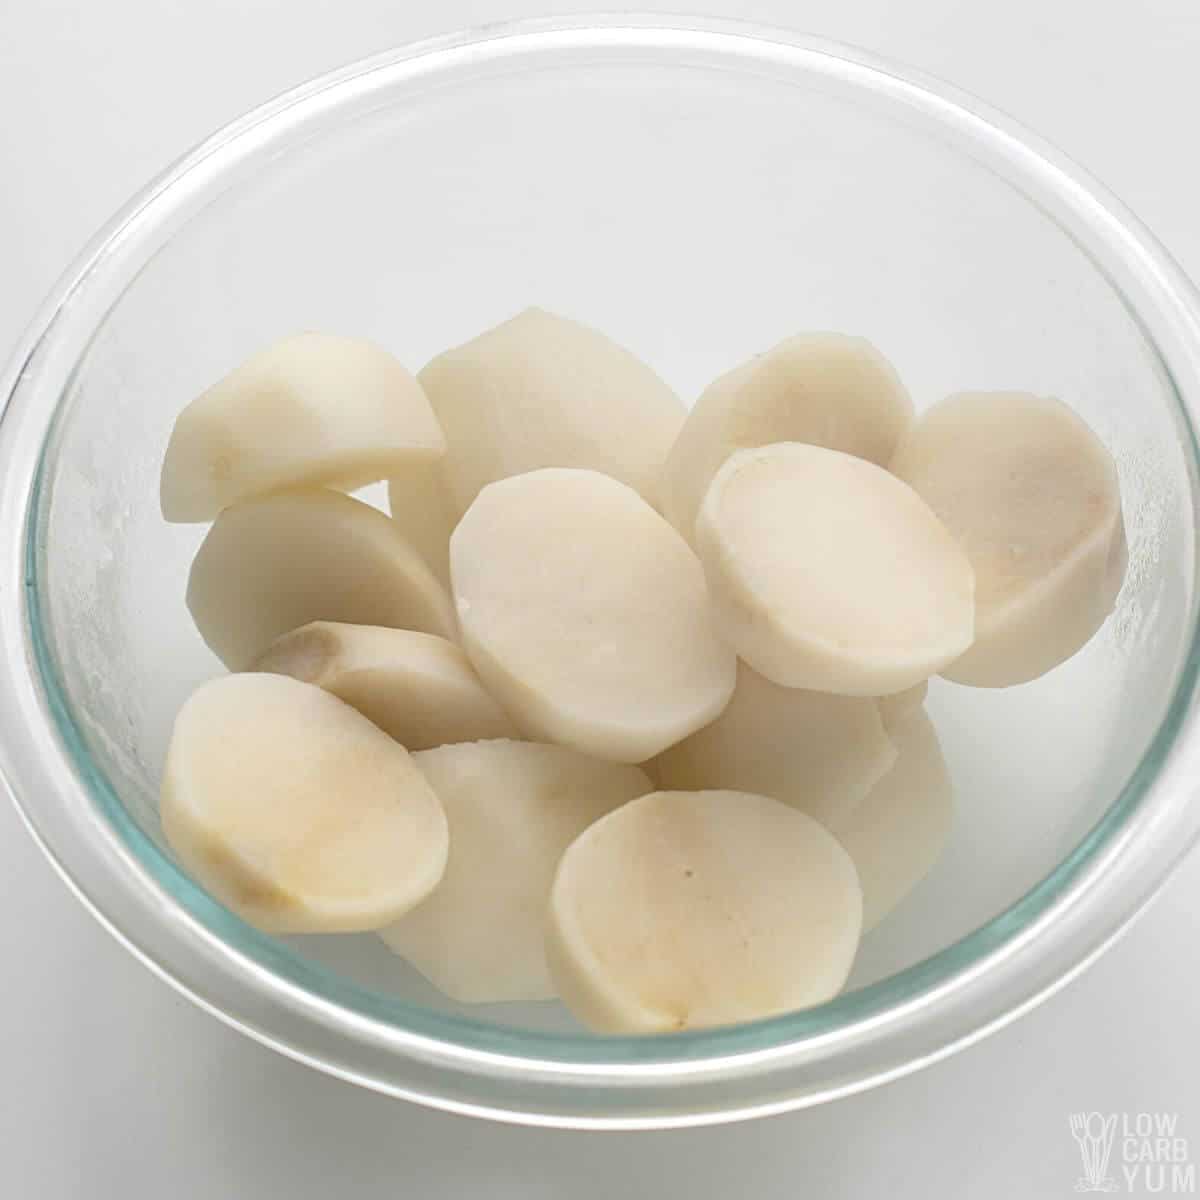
897,833
895,707
271,565
311,410
513,808
689,909
416,687
1032,495
828,573
585,615
826,389
542,391
819,753
421,507
297,812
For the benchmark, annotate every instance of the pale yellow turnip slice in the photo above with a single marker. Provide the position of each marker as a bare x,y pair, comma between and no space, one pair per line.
271,565
897,706
688,909
416,687
295,811
513,808
313,409
820,753
828,573
421,506
826,389
1032,496
542,391
897,833
585,615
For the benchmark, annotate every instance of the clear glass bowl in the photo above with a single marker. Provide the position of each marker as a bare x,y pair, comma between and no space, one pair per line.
698,193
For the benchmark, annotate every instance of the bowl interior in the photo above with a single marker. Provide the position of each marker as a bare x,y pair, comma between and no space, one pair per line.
697,211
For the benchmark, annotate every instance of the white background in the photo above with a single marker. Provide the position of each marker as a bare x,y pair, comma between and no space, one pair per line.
111,1085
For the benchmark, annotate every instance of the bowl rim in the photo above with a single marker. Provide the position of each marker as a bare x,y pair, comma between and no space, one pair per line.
887,1029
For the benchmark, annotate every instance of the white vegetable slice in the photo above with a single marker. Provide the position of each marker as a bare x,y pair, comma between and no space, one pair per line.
513,808
817,752
689,909
896,707
421,507
1032,495
828,573
896,835
542,391
273,564
585,615
825,389
313,409
297,812
418,688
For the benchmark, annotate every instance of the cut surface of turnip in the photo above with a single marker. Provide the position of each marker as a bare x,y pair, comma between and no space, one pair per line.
295,811
586,616
689,909
828,573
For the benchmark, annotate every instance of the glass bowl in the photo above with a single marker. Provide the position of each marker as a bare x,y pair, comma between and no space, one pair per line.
698,193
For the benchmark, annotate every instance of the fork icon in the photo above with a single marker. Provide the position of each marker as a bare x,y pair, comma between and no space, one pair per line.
1094,1133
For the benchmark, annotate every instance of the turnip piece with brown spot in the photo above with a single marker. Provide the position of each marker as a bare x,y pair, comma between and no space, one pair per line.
271,565
418,688
297,812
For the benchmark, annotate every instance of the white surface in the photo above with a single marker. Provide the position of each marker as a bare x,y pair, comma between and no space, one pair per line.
115,1086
